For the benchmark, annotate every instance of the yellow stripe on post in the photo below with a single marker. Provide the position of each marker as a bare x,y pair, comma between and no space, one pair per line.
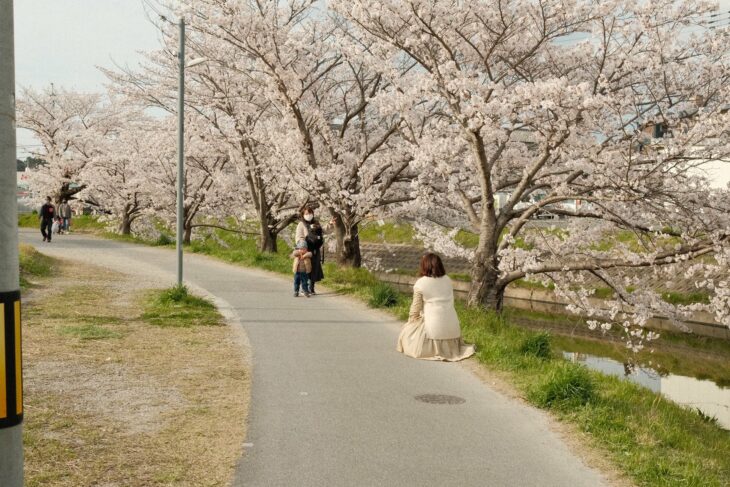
18,363
3,385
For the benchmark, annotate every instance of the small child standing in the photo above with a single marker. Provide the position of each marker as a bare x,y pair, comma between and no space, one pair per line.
302,267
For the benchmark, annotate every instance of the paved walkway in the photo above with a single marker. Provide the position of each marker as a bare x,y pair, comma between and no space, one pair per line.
333,403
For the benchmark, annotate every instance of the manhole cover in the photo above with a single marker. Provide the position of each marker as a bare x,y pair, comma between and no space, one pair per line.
440,399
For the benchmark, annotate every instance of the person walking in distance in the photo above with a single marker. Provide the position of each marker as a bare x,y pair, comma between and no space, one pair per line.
64,211
48,212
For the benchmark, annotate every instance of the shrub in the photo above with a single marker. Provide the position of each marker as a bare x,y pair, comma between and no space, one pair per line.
383,296
175,294
537,345
164,239
566,385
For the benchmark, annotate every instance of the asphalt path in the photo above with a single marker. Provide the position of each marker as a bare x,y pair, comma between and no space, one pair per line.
333,403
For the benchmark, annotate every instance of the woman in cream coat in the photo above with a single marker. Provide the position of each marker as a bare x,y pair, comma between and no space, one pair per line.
433,330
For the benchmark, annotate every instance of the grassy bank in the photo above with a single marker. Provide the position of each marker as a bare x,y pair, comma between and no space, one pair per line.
651,439
704,358
126,385
81,223
33,265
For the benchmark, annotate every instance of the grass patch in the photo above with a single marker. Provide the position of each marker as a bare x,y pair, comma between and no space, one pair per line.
537,345
466,239
383,296
87,223
460,277
389,232
686,298
233,248
566,385
29,220
164,239
177,308
89,332
80,223
33,264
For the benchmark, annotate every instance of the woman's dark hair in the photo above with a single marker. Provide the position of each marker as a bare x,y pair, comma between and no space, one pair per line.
305,209
431,266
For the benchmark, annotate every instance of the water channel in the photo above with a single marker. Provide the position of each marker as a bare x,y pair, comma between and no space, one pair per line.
705,395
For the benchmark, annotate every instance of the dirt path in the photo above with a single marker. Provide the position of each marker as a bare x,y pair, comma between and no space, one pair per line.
112,400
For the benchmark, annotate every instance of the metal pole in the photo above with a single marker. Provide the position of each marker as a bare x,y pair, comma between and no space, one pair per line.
180,155
11,388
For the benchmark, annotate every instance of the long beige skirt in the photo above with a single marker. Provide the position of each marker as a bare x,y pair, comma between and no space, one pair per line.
414,343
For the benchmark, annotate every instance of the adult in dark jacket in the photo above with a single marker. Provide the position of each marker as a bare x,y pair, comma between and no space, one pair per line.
48,212
310,230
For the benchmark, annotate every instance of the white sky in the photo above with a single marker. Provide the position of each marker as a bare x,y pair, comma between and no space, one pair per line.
63,41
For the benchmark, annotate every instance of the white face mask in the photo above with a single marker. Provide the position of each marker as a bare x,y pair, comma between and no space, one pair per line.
309,217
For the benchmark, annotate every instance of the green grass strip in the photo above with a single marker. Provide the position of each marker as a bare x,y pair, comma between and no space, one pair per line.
177,308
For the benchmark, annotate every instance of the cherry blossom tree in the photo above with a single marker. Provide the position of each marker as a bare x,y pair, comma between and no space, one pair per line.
239,121
67,124
205,165
325,124
544,103
116,177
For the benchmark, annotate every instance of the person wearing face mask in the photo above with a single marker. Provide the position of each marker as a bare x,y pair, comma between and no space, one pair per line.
310,230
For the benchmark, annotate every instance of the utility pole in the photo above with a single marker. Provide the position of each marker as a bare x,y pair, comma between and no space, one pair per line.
180,154
11,375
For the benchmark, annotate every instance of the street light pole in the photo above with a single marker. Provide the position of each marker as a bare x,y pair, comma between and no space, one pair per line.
11,375
180,155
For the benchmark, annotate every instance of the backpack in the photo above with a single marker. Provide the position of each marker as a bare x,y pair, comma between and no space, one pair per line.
314,237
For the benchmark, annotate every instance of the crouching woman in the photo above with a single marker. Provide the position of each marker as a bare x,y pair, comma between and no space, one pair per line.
432,331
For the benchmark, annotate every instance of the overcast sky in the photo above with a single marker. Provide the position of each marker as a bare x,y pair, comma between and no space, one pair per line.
63,41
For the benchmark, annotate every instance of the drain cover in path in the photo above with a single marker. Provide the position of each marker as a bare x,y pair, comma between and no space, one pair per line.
440,399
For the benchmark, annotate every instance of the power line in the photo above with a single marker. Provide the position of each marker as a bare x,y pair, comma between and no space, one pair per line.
150,4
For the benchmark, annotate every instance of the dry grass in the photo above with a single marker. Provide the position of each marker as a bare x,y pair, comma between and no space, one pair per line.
112,400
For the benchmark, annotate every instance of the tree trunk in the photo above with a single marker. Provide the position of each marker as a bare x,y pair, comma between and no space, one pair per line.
125,227
267,239
348,244
486,289
187,234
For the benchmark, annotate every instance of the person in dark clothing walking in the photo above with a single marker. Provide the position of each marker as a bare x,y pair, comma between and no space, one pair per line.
48,212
